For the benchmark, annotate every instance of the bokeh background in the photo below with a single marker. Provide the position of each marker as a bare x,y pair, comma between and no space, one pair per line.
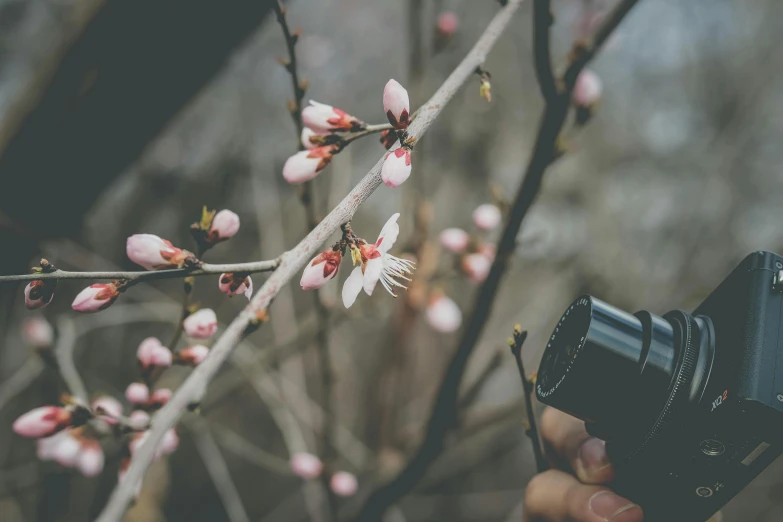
126,117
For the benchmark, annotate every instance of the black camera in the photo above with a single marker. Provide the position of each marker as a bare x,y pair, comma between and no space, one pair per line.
690,404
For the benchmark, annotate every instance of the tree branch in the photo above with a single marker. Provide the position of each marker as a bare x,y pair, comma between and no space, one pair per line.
542,21
444,412
290,264
63,351
527,385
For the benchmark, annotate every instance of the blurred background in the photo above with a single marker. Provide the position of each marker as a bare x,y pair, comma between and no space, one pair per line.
127,117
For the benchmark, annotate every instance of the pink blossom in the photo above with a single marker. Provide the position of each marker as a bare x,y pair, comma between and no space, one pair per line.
193,355
396,105
235,284
155,253
46,446
96,297
487,216
91,459
396,167
587,90
152,353
321,269
476,266
305,165
107,406
137,393
67,450
169,442
160,397
38,294
344,484
38,332
308,133
454,239
488,250
447,24
443,314
42,422
140,418
202,324
306,465
324,118
224,226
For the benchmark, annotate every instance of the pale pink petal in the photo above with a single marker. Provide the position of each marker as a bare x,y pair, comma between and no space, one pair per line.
201,324
66,453
444,315
152,252
372,272
38,332
137,393
321,270
42,422
476,266
588,89
306,465
454,239
352,286
396,167
487,216
38,294
108,406
225,224
447,23
344,484
91,460
388,235
396,104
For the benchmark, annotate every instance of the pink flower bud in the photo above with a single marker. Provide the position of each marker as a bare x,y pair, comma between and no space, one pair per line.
151,353
193,355
447,24
91,459
344,484
66,452
443,314
107,406
306,465
225,225
169,442
140,418
321,269
454,239
308,133
42,422
160,397
38,294
396,167
38,332
46,446
235,284
388,138
488,250
202,324
155,253
487,216
324,118
587,90
396,105
476,266
305,165
137,393
96,297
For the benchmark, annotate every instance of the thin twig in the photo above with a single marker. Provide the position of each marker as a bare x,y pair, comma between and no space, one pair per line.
532,426
63,351
290,264
542,21
136,277
444,411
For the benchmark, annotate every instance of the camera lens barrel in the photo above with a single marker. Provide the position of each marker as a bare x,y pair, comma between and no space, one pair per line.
607,366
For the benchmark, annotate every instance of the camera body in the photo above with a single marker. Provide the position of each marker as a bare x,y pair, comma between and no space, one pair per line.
691,405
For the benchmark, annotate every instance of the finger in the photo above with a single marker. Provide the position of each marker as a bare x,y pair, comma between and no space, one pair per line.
585,455
717,517
556,496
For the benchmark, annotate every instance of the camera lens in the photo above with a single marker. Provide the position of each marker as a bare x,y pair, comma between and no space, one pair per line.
607,366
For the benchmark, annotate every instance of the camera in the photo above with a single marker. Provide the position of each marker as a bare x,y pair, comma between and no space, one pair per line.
690,404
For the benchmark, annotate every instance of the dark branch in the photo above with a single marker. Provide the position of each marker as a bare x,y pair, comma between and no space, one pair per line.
532,431
542,21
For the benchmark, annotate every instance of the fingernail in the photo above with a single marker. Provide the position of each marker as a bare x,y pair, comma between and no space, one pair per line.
611,507
592,454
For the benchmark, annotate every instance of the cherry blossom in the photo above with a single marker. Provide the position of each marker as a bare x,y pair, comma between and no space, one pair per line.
476,266
443,314
38,332
306,164
155,253
344,484
160,397
38,294
224,226
193,355
587,90
236,284
107,406
201,324
454,239
152,353
321,269
396,167
306,465
396,105
487,216
308,133
91,459
96,297
447,24
137,393
42,422
324,118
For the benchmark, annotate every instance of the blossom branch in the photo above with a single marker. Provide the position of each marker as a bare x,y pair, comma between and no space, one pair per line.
139,276
542,21
444,411
515,344
290,264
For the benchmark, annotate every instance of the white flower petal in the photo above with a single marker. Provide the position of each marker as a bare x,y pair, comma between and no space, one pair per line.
352,286
372,272
389,234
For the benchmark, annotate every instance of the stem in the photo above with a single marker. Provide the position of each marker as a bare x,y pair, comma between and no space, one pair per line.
137,277
542,21
291,263
527,385
368,130
63,351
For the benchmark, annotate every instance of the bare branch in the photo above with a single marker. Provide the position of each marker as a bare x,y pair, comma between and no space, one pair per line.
542,21
63,351
290,264
527,385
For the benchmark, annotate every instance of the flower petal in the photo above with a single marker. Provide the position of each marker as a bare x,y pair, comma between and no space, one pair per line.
388,234
352,286
372,272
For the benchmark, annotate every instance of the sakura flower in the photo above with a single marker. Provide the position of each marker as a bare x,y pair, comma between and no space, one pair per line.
235,284
224,226
38,293
169,442
447,24
160,397
488,250
137,393
96,297
454,239
487,216
308,133
66,453
46,446
321,269
324,118
396,167
587,90
306,465
38,332
396,105
152,353
155,253
107,406
305,165
377,265
140,418
344,484
443,314
43,422
193,355
201,324
91,459
476,266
